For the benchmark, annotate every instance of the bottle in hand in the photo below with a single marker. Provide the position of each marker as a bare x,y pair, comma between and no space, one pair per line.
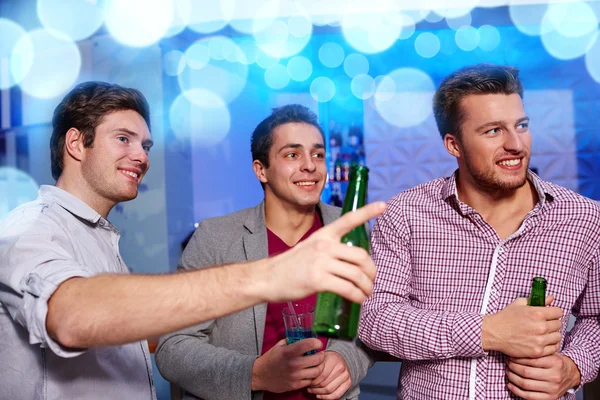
537,298
335,316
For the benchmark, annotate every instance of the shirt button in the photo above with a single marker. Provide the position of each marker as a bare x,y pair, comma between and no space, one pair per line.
479,381
493,292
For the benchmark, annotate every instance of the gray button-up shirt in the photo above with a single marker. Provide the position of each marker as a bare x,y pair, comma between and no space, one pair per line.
42,244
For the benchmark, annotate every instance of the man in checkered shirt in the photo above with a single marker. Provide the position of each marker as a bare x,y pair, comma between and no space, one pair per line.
456,257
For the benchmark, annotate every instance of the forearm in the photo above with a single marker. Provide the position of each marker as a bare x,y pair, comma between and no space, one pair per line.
410,333
114,309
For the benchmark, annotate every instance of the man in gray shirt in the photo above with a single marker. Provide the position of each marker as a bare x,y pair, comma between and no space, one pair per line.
72,321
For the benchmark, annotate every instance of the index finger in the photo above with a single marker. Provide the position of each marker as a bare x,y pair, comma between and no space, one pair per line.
351,220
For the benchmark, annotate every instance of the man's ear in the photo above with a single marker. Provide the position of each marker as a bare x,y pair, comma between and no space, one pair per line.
74,144
452,145
259,171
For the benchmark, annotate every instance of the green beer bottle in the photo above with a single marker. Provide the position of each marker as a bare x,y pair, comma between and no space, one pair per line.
335,316
537,297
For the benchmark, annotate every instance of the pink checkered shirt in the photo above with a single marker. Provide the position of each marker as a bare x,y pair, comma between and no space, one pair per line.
441,268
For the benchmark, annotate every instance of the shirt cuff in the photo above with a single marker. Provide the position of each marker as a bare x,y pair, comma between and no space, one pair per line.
37,288
581,360
466,335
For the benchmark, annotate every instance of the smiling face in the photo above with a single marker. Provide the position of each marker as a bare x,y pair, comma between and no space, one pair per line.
493,147
114,166
297,171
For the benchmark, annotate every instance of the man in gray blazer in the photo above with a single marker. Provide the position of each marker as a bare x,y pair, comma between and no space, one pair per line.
224,359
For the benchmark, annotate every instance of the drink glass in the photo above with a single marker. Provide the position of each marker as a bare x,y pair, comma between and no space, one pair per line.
298,323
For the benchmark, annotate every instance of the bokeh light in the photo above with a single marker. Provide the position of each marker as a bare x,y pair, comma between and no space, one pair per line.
458,22
264,60
528,18
76,19
356,64
467,38
16,187
198,55
433,16
331,55
200,114
565,47
573,19
489,37
592,61
181,17
374,32
55,64
276,76
208,16
299,68
174,62
363,86
225,78
408,101
427,44
248,52
11,34
284,36
322,89
139,23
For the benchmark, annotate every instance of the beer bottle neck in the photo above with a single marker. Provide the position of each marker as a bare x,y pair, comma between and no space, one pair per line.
356,195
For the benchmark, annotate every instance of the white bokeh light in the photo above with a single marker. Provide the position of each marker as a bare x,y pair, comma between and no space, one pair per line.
58,15
565,39
299,68
55,64
528,18
427,45
331,55
467,38
225,78
139,23
404,97
11,34
322,89
208,16
374,32
363,86
592,61
174,62
16,187
356,64
202,115
276,76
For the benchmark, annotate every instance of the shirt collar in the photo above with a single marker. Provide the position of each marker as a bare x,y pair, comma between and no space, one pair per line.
70,203
543,189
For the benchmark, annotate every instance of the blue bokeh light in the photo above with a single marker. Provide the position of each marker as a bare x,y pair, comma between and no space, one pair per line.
276,76
59,15
565,47
408,26
322,89
331,55
139,23
356,64
404,98
174,62
427,44
592,61
363,86
264,60
433,16
11,34
55,64
16,187
528,18
489,37
248,52
299,68
201,115
467,38
225,78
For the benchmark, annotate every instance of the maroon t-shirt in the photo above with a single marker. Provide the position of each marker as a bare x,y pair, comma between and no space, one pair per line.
274,328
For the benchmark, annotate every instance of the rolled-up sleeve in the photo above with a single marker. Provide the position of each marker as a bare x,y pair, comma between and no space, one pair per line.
36,257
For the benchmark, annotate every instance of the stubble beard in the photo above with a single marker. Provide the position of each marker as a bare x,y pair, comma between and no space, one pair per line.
489,182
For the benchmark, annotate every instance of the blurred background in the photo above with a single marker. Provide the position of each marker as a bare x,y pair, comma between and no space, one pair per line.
212,70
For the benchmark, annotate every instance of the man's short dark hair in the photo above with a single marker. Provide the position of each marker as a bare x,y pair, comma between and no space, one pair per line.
262,137
475,79
83,108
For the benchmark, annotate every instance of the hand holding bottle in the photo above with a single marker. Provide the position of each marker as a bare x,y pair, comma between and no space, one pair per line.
523,331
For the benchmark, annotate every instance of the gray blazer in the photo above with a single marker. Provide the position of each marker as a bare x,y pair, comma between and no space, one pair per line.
213,360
